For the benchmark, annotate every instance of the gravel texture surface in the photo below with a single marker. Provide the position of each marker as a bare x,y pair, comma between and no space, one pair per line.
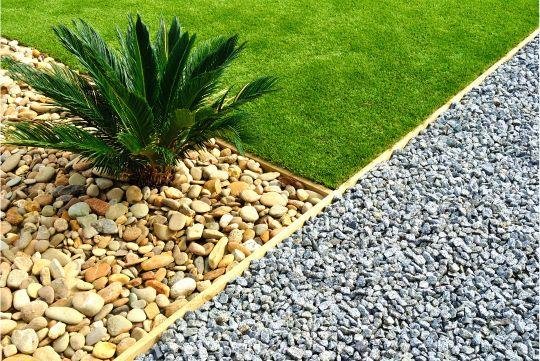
431,256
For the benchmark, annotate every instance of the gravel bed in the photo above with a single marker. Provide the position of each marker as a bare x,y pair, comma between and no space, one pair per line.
430,256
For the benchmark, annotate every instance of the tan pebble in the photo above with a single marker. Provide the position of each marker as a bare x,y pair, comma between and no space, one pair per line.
202,285
6,299
37,323
83,286
231,246
99,270
104,350
7,326
196,249
76,341
161,260
175,306
131,233
10,350
217,253
33,309
120,302
64,314
23,263
265,236
61,343
57,330
118,324
125,344
46,293
26,340
162,300
226,260
100,283
104,311
238,187
151,310
111,292
88,303
214,274
119,277
46,353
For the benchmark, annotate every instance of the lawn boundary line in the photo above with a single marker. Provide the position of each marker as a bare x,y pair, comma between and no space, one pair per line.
400,144
145,343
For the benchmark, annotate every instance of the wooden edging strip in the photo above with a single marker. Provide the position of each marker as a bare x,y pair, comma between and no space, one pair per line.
220,283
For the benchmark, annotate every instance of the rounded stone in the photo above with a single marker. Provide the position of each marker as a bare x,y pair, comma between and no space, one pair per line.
46,353
25,340
277,211
104,350
273,198
20,299
249,214
6,299
133,194
45,174
136,315
88,303
115,211
200,206
249,196
139,210
118,324
7,326
183,287
76,179
79,209
131,233
64,314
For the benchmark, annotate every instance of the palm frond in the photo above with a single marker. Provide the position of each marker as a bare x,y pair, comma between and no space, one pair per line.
213,54
69,138
253,90
140,59
85,43
172,73
68,90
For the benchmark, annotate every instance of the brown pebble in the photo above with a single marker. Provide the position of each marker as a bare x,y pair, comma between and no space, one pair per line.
158,286
214,274
99,270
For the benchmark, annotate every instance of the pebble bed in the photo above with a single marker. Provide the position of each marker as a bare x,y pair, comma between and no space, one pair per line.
430,256
89,265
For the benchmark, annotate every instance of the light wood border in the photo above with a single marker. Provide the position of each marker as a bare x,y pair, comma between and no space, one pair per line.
219,284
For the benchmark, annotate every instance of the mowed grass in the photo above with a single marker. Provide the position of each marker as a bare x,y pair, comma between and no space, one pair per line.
355,76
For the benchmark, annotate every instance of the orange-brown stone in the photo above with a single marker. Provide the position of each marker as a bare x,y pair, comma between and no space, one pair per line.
99,270
98,206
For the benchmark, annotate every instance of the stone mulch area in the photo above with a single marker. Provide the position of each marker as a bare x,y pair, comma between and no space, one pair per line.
89,265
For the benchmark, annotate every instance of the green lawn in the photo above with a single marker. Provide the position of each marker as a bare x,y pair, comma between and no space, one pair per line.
355,76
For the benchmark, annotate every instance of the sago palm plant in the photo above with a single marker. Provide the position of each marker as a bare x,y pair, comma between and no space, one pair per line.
141,106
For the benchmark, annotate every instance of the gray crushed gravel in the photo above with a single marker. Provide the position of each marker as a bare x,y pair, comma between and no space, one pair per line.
431,256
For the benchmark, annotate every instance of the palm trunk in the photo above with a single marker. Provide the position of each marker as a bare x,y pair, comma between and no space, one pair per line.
154,176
